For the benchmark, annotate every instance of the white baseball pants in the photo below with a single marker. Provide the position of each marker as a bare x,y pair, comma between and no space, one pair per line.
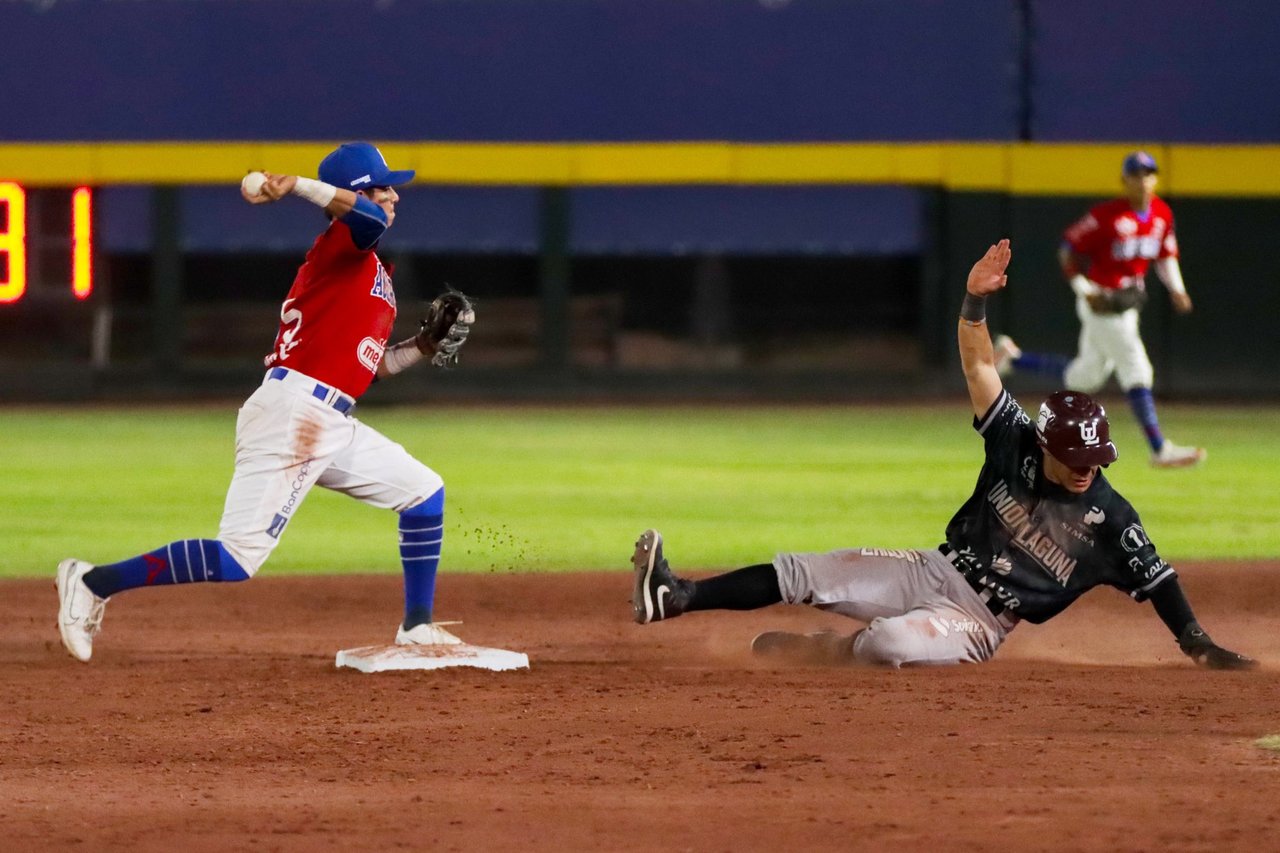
288,440
1108,342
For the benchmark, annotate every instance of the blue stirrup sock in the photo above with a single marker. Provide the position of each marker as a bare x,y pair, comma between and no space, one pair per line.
421,535
1144,409
184,561
1043,364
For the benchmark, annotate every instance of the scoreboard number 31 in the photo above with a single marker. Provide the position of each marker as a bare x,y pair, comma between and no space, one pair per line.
13,242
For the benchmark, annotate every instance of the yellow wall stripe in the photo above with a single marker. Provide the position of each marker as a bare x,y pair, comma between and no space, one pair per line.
1020,168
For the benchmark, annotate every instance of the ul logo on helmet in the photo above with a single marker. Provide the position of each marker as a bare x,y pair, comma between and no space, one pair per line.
1089,432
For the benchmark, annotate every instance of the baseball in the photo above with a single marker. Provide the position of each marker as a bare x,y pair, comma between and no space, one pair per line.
252,182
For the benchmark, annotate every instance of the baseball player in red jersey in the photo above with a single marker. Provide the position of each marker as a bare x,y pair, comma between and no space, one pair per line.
296,430
1105,257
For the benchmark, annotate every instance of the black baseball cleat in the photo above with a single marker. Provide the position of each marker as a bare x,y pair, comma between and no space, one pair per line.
657,594
825,648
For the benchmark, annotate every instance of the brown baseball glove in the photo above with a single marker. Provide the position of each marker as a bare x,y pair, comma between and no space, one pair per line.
446,325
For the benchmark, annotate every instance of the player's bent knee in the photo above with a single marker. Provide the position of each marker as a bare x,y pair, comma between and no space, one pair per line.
426,496
1138,376
229,569
244,556
884,642
433,505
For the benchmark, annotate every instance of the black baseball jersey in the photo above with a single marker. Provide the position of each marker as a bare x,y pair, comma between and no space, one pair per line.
1035,546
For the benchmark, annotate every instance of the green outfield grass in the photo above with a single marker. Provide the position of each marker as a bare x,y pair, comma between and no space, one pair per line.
562,488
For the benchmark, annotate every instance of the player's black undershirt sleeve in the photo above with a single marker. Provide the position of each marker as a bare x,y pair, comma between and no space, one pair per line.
1172,606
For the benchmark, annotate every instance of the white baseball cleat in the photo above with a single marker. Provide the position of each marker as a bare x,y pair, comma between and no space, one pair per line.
1006,352
79,610
1172,455
426,634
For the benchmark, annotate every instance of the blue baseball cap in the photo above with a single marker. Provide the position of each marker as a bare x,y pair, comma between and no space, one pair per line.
1139,162
359,165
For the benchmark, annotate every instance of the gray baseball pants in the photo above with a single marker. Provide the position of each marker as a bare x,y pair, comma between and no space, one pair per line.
919,609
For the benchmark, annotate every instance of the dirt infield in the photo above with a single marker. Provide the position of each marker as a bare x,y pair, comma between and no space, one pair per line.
213,719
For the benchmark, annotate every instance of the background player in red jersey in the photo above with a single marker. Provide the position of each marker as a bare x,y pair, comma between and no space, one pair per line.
296,430
1105,257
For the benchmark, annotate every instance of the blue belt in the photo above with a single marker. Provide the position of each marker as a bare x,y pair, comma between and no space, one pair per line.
329,396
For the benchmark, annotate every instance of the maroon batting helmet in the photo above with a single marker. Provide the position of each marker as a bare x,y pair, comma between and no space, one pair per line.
1073,428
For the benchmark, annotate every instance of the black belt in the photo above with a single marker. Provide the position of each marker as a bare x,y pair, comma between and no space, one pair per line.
1001,613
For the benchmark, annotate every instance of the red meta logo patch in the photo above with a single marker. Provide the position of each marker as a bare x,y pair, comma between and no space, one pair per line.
369,352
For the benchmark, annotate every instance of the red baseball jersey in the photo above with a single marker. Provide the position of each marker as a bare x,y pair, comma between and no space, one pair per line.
1121,243
336,320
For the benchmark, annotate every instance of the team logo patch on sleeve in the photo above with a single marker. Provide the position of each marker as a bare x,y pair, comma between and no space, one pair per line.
1134,538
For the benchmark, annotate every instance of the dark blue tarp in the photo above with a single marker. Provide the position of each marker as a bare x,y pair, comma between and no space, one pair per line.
1166,70
546,70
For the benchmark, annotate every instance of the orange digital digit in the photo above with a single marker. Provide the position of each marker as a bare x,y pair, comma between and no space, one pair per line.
13,243
82,242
